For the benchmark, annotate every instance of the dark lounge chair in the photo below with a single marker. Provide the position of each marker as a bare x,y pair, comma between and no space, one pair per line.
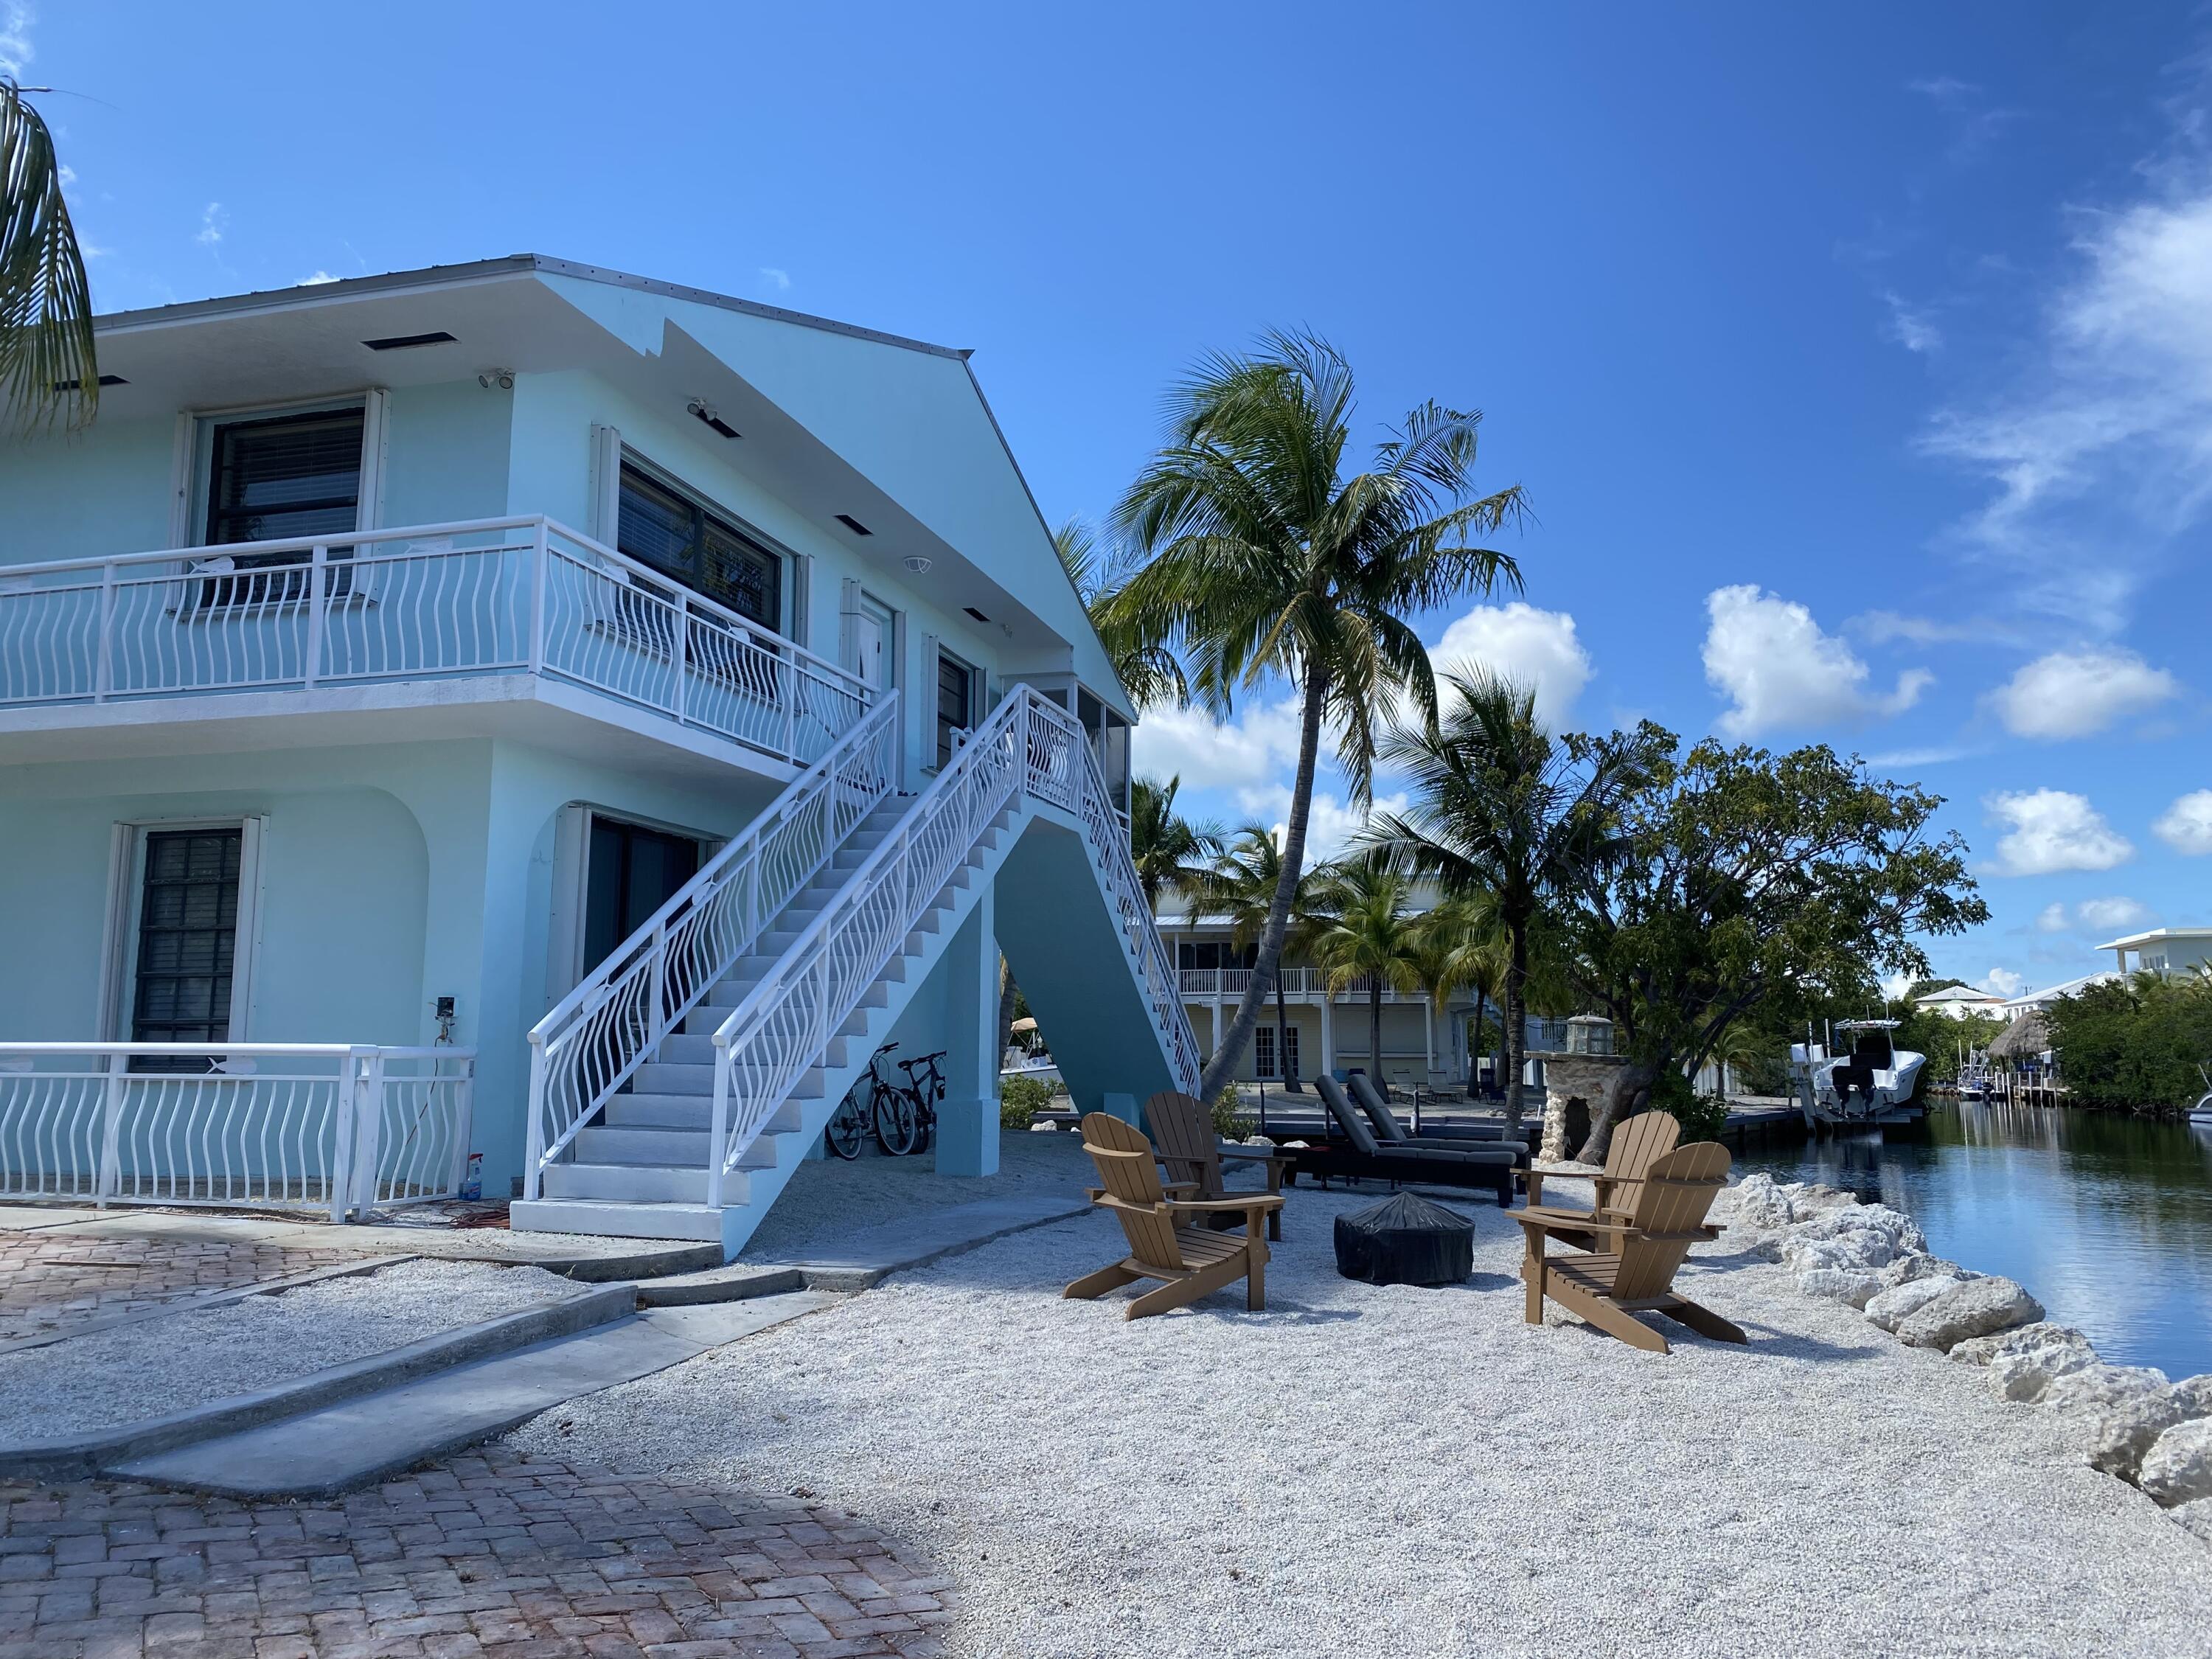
1390,1129
1360,1157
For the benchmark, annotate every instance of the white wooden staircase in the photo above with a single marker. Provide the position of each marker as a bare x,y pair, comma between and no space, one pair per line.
676,1091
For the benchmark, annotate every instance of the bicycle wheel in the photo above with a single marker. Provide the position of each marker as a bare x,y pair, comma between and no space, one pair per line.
847,1127
924,1127
894,1122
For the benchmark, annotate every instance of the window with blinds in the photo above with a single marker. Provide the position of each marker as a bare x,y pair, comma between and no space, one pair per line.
273,479
187,940
672,533
955,702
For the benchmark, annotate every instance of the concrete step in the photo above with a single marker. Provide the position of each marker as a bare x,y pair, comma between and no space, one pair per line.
345,1446
698,1082
627,1144
685,1112
609,1218
631,1183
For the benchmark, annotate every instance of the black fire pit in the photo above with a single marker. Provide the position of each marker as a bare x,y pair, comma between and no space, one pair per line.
1405,1240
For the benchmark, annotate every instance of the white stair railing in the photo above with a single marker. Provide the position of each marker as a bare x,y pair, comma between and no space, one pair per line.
1027,746
594,1039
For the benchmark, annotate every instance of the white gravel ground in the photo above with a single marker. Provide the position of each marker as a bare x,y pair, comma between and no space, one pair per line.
830,1200
1405,1472
157,1366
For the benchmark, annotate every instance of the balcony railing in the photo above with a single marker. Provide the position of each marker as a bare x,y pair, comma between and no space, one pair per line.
322,1126
1309,983
427,602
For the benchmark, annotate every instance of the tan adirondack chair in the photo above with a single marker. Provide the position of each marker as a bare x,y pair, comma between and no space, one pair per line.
1182,1131
1192,1262
1637,1142
1636,1275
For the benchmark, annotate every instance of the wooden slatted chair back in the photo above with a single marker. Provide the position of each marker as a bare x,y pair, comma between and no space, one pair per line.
1637,1144
1127,1171
1183,1130
1678,1190
1348,1122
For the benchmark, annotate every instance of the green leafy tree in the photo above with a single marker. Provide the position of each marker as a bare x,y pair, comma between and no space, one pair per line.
49,362
2137,1044
1148,670
1459,946
1171,854
1240,888
1267,561
1741,880
1505,813
1365,931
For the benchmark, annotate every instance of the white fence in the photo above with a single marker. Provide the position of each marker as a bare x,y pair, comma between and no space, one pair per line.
1027,745
592,1042
487,596
1303,983
344,1128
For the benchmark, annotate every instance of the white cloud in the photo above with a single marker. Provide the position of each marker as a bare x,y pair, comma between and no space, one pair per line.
2186,826
1258,747
780,280
2073,693
2097,915
1894,986
316,280
2112,915
1533,648
2097,455
1910,326
1767,655
2003,982
213,221
15,52
2053,830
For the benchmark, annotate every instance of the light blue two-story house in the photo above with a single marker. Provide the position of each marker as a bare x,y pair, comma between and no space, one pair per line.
525,710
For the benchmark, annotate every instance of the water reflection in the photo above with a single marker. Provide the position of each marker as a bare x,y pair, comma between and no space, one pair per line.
2108,1220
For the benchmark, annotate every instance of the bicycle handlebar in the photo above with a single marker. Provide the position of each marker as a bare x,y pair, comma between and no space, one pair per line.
926,1060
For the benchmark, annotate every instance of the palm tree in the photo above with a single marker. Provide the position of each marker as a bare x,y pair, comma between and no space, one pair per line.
1170,853
1364,928
1267,561
48,363
1241,887
1457,946
1504,809
1148,670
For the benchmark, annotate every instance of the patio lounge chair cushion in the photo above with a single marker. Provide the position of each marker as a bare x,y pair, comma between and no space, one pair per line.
1363,1139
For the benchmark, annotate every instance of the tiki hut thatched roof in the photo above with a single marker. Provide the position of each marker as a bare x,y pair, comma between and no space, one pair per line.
2026,1036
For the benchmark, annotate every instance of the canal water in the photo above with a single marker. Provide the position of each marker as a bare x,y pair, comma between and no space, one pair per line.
2106,1221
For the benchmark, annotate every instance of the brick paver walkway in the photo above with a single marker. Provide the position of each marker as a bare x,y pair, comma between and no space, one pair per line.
48,1280
492,1554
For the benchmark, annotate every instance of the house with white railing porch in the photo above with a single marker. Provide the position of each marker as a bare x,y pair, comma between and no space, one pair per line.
526,713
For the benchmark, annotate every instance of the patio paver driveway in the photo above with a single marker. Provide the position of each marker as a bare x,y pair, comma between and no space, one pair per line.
492,1554
52,1281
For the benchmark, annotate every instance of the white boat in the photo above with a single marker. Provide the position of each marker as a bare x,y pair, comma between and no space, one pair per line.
1872,1081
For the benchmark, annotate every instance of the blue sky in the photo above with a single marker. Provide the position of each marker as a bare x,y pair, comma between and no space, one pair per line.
1859,365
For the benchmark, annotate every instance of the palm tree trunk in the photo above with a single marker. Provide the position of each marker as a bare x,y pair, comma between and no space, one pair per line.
1283,1040
1375,1031
1268,964
1516,972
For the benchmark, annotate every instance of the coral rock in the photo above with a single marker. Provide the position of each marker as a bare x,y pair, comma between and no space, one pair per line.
2178,1467
1974,1309
2121,1411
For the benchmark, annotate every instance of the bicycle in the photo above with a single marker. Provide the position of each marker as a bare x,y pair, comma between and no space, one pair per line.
923,1093
887,1104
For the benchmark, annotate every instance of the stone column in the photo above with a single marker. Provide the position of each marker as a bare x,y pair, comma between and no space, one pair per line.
1568,1078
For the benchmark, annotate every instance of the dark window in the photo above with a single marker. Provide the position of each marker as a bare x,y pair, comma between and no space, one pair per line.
274,479
673,534
632,872
956,702
187,938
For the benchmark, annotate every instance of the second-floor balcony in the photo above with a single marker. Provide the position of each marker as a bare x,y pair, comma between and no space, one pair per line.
1299,985
425,610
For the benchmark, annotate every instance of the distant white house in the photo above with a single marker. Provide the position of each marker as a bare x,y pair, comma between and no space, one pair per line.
2163,950
1958,1001
2029,1002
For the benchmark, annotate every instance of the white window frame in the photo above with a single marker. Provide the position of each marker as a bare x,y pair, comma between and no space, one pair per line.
195,456
126,897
